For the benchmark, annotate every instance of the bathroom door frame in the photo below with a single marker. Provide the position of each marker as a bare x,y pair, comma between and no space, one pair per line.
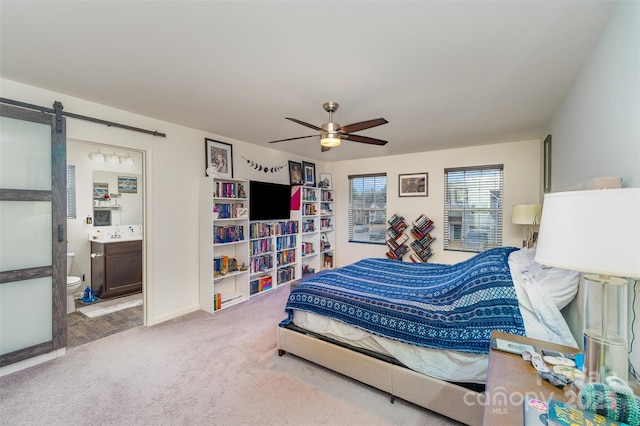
106,145
57,196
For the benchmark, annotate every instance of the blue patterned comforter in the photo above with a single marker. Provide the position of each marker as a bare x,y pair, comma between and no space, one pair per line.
452,307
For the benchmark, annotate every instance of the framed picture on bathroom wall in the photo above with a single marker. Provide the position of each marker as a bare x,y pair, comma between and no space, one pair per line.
100,190
127,185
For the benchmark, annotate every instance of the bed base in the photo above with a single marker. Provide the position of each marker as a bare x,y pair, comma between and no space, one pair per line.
442,397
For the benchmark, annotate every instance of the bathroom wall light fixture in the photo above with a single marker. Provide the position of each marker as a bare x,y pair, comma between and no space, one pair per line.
129,160
97,156
114,159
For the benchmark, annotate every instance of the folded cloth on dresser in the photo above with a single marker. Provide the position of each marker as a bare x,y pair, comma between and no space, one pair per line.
452,307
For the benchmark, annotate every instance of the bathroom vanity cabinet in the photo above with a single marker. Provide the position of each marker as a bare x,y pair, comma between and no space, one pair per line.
116,268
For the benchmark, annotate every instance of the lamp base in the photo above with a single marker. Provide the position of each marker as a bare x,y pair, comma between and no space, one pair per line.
604,357
528,243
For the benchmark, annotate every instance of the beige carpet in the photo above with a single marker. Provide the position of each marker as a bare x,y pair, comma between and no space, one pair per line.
200,369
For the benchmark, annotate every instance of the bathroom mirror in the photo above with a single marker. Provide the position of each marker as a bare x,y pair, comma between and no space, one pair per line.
117,198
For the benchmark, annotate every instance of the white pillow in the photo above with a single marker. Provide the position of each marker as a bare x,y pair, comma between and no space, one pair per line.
560,285
542,292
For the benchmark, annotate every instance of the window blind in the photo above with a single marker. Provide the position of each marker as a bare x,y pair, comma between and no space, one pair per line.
367,216
473,212
71,192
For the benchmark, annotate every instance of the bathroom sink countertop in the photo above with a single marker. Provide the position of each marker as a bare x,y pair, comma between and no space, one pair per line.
116,234
106,240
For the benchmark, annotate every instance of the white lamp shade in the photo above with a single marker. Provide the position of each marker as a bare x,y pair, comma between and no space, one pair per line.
595,231
526,214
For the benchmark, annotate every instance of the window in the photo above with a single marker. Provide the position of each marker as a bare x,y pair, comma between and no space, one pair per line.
367,208
473,208
71,192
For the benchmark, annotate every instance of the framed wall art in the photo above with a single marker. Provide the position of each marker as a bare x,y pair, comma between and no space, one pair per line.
413,185
309,170
219,158
100,190
325,181
295,173
547,164
127,185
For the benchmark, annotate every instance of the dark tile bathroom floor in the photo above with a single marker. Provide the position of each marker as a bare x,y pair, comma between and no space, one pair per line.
82,329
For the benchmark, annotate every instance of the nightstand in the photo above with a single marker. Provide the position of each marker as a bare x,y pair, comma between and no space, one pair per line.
510,378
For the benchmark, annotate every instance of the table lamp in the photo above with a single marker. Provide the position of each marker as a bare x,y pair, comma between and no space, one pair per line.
596,232
529,216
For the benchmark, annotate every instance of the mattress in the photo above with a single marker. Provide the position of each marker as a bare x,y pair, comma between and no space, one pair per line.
542,292
445,365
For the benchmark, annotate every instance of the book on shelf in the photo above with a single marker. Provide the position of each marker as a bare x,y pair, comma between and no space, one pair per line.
220,265
285,274
421,233
395,219
284,228
229,190
307,270
260,284
228,234
397,253
259,230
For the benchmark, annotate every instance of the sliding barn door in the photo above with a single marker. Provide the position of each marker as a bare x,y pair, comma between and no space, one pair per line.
32,233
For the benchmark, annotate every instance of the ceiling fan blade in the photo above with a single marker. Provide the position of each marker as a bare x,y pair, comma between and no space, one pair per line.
324,148
291,139
364,139
295,120
356,127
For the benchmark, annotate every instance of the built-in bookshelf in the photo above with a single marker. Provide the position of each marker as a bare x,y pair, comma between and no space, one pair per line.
422,239
261,257
241,258
273,254
305,206
396,237
224,253
286,251
317,234
327,230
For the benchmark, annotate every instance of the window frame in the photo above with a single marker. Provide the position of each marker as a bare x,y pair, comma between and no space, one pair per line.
477,227
372,219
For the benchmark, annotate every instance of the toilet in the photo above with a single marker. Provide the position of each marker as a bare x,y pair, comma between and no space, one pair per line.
74,285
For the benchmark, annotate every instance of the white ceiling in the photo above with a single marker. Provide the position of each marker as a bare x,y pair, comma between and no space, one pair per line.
444,74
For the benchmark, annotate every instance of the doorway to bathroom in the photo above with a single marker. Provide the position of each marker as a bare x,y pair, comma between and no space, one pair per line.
107,179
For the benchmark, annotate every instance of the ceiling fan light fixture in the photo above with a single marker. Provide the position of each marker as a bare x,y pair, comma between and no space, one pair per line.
330,139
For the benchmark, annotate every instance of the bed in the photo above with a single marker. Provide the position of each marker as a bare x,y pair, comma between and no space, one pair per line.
421,332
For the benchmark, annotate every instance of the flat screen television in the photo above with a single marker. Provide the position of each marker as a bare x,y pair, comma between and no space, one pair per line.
269,201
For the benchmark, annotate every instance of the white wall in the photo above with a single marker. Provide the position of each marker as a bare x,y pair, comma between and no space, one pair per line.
521,186
174,166
596,131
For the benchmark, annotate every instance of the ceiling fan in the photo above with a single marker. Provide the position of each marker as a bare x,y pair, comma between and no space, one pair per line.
332,133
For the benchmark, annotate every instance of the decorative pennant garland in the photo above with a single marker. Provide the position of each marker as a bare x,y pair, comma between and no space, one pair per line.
261,168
